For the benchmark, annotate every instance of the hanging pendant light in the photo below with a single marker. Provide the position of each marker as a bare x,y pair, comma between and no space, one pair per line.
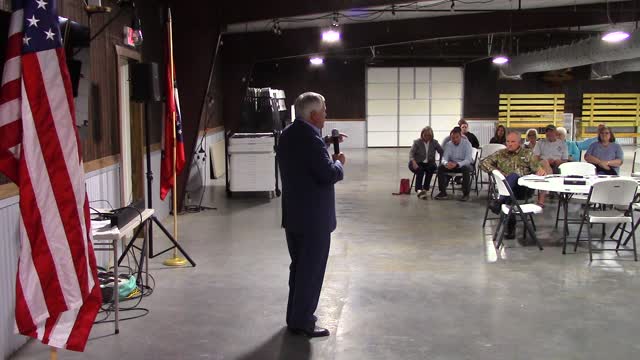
615,36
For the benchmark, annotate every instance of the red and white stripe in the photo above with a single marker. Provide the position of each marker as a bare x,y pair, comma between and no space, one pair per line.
57,295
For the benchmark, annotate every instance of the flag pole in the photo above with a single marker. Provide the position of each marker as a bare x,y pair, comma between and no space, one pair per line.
53,353
175,260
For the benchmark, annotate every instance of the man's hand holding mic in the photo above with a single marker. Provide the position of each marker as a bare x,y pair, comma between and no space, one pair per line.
336,139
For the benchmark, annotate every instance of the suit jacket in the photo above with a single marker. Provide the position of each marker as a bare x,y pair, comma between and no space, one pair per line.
308,176
418,152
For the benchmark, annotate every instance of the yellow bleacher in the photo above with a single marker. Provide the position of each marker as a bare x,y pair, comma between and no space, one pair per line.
614,110
524,111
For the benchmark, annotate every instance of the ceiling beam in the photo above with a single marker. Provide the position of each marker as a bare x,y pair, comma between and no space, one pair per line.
253,10
299,42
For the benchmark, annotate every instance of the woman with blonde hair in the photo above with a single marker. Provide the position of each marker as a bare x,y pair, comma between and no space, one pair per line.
531,139
422,160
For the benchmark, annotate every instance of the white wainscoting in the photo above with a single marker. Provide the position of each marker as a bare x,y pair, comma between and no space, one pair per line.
102,184
483,129
9,341
356,130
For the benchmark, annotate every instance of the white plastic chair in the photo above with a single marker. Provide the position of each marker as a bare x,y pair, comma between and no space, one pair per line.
635,168
578,169
615,192
515,208
485,152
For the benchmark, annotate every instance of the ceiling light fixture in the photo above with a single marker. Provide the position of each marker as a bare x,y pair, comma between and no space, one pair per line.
331,36
615,36
500,59
316,61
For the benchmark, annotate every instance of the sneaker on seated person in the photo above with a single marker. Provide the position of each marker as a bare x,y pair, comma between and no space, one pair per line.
442,196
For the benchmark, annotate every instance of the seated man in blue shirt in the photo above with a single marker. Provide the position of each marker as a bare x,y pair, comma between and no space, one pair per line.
457,159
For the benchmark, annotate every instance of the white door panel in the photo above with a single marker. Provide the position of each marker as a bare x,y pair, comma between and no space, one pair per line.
413,123
382,75
446,107
414,107
406,75
401,101
382,107
422,90
446,74
444,122
407,137
446,91
406,91
382,123
382,91
379,138
422,74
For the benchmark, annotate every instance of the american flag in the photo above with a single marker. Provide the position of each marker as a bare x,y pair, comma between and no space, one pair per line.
173,107
57,293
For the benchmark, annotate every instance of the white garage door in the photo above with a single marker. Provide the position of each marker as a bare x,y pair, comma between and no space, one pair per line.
401,101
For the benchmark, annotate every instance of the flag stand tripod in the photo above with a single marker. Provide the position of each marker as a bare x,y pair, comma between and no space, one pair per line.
152,219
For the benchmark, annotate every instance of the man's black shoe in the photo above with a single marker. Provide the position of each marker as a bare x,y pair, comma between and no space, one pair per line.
316,332
510,236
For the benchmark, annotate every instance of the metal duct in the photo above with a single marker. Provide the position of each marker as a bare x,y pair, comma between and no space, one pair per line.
585,52
607,69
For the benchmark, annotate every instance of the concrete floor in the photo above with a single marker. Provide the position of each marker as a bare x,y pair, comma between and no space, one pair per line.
407,279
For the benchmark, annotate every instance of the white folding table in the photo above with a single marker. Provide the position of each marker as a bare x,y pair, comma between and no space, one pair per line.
106,239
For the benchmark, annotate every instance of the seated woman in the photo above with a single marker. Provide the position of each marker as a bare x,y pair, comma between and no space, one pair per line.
575,147
422,160
532,138
500,137
605,154
572,147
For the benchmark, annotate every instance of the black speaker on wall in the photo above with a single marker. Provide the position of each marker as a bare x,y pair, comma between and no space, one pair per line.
145,82
75,68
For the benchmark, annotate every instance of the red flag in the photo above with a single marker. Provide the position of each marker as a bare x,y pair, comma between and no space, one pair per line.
172,107
57,292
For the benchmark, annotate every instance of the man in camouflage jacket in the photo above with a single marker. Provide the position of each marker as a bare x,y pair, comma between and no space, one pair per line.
513,162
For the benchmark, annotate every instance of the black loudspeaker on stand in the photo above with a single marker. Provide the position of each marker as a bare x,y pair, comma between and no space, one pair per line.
145,88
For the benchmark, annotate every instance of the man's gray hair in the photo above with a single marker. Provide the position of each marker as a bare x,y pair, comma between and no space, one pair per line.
308,102
514,132
562,130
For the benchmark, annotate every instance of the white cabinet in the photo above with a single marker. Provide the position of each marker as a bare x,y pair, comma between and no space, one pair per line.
252,161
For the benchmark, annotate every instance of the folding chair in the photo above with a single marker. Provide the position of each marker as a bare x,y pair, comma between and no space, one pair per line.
452,175
485,152
635,168
613,192
491,196
623,227
524,211
574,168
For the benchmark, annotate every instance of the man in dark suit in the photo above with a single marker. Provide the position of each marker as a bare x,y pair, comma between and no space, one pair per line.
308,208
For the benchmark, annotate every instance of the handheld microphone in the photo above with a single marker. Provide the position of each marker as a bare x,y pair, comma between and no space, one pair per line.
335,138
